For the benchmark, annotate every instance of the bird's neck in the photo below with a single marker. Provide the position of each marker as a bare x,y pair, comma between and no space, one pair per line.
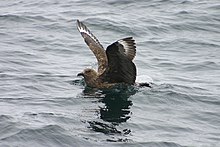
91,82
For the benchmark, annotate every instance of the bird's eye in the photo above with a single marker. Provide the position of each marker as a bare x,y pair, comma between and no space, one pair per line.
88,71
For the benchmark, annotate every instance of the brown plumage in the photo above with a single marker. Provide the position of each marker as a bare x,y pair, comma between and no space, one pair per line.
114,65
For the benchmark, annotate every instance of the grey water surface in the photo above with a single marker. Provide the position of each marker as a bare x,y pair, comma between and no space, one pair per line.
44,104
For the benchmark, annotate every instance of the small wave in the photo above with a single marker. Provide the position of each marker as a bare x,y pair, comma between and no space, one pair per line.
201,66
214,7
118,3
183,12
159,144
111,25
47,128
24,18
39,18
172,93
187,2
15,18
196,26
197,43
5,118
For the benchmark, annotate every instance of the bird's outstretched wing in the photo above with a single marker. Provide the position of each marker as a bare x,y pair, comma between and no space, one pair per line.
94,46
120,66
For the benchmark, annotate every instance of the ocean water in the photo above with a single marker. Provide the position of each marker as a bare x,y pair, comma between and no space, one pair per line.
44,104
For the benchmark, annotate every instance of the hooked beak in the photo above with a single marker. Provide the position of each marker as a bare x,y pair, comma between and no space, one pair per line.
80,74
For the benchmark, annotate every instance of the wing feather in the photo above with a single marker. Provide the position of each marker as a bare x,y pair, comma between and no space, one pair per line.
128,47
94,46
120,68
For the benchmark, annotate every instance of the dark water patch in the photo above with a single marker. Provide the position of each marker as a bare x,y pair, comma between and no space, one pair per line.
120,91
118,140
116,103
116,108
113,133
103,128
78,82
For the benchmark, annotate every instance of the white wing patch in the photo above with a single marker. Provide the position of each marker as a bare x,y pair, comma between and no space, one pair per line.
129,47
85,32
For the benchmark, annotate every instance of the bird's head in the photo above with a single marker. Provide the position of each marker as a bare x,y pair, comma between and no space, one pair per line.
88,74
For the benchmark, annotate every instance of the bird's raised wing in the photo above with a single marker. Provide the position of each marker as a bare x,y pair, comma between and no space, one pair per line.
94,46
120,67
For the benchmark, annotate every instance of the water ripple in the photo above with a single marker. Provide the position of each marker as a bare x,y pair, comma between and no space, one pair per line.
43,103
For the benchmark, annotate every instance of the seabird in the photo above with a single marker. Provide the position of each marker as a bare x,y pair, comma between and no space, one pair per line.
115,64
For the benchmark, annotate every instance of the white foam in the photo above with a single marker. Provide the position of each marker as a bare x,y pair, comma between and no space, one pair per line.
144,79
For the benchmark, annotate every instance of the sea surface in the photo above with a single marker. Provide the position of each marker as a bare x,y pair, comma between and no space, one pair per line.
44,104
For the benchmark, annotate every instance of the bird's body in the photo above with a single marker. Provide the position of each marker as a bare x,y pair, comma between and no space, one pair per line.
115,64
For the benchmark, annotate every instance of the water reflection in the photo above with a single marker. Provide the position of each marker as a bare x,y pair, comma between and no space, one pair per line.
116,109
